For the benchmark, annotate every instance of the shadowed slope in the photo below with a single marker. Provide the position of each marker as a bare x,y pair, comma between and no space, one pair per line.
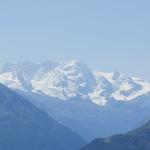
24,127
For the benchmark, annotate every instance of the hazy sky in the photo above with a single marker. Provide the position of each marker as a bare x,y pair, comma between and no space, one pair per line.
105,34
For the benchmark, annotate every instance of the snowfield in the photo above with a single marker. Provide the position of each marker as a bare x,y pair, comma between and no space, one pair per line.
92,103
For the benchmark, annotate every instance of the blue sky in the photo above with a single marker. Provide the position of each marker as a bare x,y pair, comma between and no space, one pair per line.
107,35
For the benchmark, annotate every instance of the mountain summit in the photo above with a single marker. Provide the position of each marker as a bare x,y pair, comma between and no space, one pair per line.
69,79
92,103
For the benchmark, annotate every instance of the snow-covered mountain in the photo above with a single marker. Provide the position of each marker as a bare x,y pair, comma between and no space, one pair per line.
66,80
92,103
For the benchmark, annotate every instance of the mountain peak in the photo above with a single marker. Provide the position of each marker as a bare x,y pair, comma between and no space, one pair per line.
11,67
75,64
68,79
116,75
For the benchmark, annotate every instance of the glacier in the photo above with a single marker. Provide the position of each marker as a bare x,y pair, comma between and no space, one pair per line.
90,102
66,80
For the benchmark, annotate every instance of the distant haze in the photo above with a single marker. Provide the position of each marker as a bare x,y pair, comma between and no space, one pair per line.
106,35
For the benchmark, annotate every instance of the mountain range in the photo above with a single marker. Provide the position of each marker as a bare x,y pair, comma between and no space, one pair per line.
91,103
